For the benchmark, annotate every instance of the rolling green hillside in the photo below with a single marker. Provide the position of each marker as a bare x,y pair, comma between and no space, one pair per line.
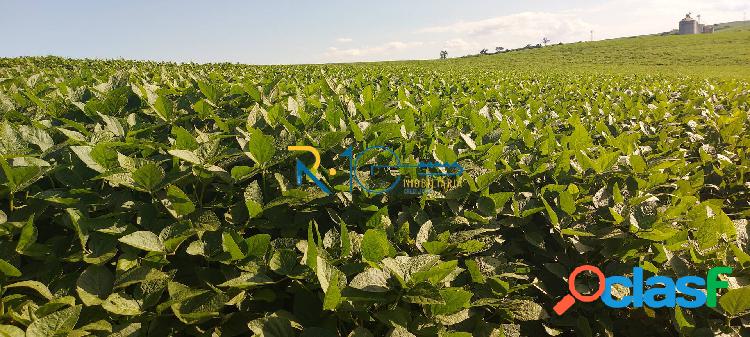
725,53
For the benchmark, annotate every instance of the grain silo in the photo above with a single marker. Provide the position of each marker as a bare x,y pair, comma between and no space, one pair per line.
688,25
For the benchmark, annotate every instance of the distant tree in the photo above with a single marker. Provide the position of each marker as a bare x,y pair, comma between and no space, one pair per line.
499,49
483,51
545,41
443,54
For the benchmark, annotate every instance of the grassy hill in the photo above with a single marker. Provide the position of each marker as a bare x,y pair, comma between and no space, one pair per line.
725,53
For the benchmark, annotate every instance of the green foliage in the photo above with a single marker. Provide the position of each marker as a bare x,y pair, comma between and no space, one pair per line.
154,199
736,301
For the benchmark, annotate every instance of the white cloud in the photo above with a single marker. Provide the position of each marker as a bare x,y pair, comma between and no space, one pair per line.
607,19
620,18
385,51
461,46
511,31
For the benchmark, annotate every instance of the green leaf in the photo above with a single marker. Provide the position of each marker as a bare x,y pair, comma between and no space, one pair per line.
379,219
106,156
94,285
682,321
658,232
260,147
397,316
445,154
332,297
616,194
34,285
252,91
203,108
28,236
326,272
283,262
474,271
573,232
423,293
637,163
435,274
567,202
736,301
274,325
253,199
371,280
375,246
400,331
455,300
551,213
58,323
435,247
20,177
211,91
493,203
37,137
84,153
178,203
257,245
230,244
485,180
122,305
742,258
247,281
356,131
346,243
164,108
183,139
11,331
616,216
129,330
710,223
186,155
143,240
8,269
242,172
525,310
457,334
113,125
148,177
605,161
312,249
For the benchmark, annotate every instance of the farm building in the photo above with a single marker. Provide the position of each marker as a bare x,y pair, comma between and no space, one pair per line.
688,25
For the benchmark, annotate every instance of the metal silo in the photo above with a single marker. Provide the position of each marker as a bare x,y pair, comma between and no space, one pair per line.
688,25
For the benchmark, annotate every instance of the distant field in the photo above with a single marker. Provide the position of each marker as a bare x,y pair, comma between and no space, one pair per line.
725,53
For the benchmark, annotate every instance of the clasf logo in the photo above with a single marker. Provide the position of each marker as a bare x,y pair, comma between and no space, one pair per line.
383,177
662,291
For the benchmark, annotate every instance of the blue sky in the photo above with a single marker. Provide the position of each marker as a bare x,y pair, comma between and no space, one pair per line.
280,32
